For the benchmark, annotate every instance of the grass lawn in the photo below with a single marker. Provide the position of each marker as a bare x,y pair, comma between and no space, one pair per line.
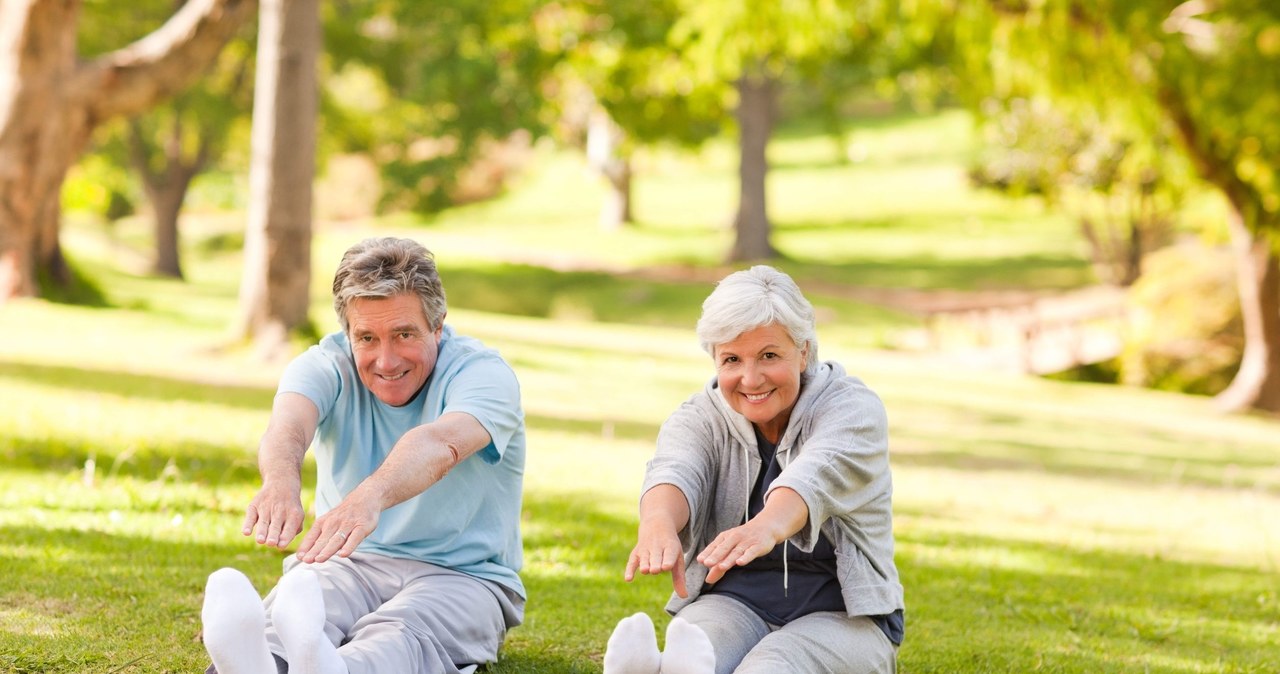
1041,525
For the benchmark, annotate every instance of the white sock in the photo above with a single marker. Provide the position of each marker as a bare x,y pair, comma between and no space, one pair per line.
633,647
688,649
298,617
235,625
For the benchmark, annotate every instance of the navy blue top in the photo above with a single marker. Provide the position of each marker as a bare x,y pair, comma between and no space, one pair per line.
812,583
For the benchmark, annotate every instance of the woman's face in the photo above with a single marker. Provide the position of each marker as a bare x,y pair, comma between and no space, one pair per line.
759,375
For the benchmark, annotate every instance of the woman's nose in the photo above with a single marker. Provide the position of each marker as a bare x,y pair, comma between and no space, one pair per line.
752,374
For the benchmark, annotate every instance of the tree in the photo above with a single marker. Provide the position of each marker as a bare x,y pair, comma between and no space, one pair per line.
170,146
1211,71
620,85
1124,186
663,70
441,84
757,47
275,287
50,103
167,147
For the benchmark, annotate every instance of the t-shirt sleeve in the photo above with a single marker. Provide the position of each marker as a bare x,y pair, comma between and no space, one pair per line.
486,388
315,375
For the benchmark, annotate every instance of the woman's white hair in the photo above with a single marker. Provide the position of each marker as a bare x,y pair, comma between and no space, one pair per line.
753,298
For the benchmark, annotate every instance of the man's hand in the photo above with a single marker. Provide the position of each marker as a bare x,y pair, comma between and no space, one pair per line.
275,514
340,530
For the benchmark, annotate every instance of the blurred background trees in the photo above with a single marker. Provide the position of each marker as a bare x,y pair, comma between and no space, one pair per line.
1120,114
51,101
1206,73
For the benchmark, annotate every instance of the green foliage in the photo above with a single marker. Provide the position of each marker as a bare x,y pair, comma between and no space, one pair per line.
106,25
617,54
1040,526
1187,333
441,80
1209,70
100,186
1123,186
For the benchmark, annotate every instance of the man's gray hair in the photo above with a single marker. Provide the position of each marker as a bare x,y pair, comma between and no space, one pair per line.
386,267
753,298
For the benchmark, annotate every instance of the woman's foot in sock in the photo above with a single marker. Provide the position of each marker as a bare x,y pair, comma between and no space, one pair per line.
688,649
298,618
633,647
235,625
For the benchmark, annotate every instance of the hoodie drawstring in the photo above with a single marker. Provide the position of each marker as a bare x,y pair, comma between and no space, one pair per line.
786,570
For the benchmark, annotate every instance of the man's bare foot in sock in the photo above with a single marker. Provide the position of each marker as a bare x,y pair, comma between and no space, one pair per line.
688,649
235,625
298,617
633,647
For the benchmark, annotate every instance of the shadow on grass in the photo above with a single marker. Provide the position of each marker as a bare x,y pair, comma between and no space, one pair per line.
978,604
1120,467
975,604
92,601
1057,445
575,553
528,290
145,386
625,430
187,461
954,274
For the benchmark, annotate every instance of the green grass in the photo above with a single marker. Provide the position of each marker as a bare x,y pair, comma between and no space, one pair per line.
1041,525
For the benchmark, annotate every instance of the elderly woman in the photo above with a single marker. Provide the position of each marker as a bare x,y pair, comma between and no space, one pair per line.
769,496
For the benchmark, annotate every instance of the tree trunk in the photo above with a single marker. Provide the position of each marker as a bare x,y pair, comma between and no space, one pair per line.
40,135
166,205
166,189
604,138
1257,383
275,290
616,212
50,104
757,98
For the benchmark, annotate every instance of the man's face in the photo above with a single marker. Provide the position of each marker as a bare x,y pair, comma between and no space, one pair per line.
394,349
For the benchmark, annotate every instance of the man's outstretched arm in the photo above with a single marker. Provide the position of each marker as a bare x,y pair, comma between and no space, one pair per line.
420,459
275,514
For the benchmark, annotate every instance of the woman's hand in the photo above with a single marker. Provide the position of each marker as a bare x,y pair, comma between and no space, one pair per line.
784,514
663,513
658,552
737,547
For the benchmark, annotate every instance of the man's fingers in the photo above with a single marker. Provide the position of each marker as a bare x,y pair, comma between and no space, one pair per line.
250,519
329,546
291,527
633,561
308,541
273,533
352,541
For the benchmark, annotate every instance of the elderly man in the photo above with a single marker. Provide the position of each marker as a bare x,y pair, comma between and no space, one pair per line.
411,564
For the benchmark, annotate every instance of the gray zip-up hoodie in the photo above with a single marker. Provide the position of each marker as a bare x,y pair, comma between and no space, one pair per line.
836,457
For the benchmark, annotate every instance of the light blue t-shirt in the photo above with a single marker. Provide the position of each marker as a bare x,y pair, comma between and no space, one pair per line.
469,520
